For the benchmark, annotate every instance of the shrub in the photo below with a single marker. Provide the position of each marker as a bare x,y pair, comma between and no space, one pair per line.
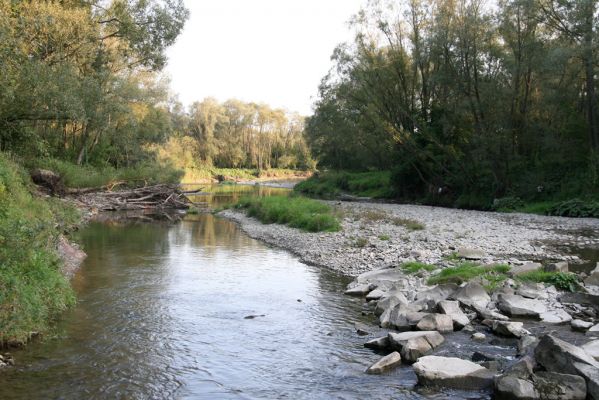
561,280
575,208
415,266
467,271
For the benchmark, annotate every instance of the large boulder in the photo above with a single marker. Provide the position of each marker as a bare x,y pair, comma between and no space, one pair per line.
378,343
470,254
510,387
386,363
413,345
48,179
557,317
592,348
532,291
580,325
452,372
509,329
401,317
437,293
555,386
525,268
360,290
388,302
472,295
376,294
561,266
452,308
591,375
584,299
518,306
436,322
484,313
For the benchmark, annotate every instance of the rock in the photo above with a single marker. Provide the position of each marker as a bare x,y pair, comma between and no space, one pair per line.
593,330
477,356
449,307
438,293
389,302
460,321
593,278
381,277
561,266
436,322
509,329
527,344
523,368
361,329
413,345
522,269
518,306
472,295
385,364
452,372
401,317
557,317
591,375
554,386
376,294
478,336
484,313
580,325
559,356
360,290
470,254
71,256
508,387
592,348
580,298
378,343
532,291
48,179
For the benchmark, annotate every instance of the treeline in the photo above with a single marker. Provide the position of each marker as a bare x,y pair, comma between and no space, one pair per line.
466,101
235,134
80,81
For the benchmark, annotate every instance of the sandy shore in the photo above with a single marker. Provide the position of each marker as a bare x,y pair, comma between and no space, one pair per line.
375,236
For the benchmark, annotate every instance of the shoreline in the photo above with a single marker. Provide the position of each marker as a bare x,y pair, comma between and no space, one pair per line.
369,239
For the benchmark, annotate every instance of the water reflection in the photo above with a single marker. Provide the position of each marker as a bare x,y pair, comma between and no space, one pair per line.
215,196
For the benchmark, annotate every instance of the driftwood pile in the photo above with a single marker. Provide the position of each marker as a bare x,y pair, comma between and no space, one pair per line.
160,197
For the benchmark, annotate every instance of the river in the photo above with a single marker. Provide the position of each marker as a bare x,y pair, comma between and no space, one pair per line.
198,310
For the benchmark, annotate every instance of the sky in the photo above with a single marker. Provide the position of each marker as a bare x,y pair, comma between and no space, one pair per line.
270,51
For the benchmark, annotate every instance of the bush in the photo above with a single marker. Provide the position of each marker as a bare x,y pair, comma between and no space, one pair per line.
507,204
32,288
297,212
575,208
330,184
468,271
561,280
415,266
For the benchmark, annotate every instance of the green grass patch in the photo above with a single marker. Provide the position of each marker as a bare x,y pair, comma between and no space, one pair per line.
409,224
467,271
414,267
33,291
561,280
82,176
330,184
298,212
384,237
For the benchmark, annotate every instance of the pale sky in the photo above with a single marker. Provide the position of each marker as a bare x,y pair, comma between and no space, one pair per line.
270,51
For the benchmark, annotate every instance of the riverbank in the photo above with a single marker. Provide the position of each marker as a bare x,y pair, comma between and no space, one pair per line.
385,235
240,175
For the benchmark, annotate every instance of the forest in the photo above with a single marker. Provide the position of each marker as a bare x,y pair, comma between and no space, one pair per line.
466,102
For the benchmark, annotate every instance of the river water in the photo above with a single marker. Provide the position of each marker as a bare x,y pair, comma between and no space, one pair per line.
198,310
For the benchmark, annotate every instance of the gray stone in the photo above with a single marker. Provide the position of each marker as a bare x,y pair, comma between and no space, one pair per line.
389,302
556,317
580,325
379,277
436,322
559,356
593,330
518,306
449,307
527,345
592,279
452,372
401,317
386,363
522,368
580,298
470,254
360,290
525,268
509,329
460,321
376,294
590,374
478,336
561,266
592,348
532,291
484,313
413,345
472,295
362,329
555,386
508,387
438,293
378,343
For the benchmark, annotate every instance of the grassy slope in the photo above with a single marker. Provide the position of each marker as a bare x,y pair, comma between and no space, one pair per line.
208,174
32,289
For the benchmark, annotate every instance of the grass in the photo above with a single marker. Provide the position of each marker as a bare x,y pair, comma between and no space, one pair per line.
415,266
208,174
33,291
331,184
409,224
384,237
467,271
82,176
561,280
361,242
297,212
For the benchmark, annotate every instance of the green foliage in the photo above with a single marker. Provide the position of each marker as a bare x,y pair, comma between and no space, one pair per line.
384,237
330,184
414,267
409,224
297,212
561,280
508,204
32,289
467,271
575,208
360,242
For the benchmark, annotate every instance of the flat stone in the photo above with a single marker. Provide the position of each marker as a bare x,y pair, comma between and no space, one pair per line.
580,325
484,313
555,386
511,387
533,291
436,322
479,337
527,344
561,266
556,317
525,268
449,307
413,345
378,343
472,295
580,298
360,290
592,348
452,372
437,293
590,374
375,294
460,321
559,356
381,276
386,363
388,302
509,329
518,306
470,254
522,368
